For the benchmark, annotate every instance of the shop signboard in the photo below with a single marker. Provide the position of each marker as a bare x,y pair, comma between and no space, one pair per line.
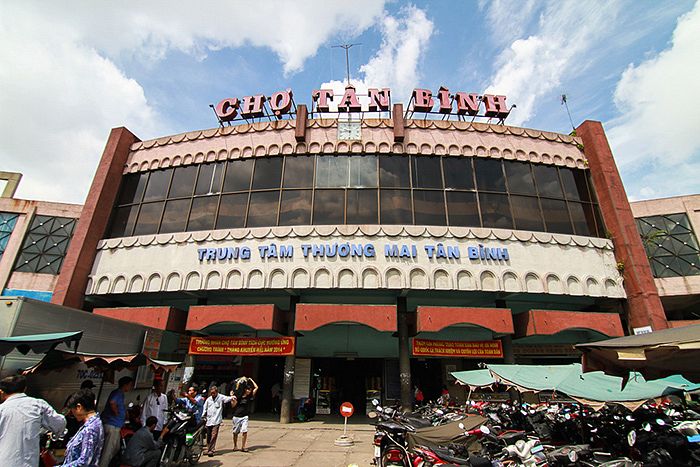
457,349
244,346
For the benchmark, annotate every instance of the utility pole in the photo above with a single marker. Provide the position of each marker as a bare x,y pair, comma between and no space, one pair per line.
347,58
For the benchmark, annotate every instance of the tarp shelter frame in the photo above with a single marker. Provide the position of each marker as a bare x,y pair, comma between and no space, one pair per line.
39,343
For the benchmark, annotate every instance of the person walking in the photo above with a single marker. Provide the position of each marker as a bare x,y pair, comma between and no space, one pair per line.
155,405
241,411
21,419
276,393
113,418
213,411
143,450
85,448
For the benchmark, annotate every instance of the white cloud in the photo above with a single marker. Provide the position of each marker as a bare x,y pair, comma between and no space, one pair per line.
61,90
659,101
534,66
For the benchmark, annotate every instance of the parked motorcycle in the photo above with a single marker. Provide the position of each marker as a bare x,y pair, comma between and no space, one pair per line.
184,441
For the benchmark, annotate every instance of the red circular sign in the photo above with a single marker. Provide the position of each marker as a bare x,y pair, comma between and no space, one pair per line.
346,409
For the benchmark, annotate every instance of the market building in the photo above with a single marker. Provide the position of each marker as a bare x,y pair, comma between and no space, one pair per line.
354,259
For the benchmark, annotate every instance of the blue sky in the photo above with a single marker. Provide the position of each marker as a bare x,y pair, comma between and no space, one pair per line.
73,70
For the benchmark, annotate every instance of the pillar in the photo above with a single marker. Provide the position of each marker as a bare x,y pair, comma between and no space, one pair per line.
643,305
404,356
286,405
507,344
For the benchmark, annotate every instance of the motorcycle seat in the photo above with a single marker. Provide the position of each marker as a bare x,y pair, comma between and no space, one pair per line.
391,426
418,422
512,437
446,455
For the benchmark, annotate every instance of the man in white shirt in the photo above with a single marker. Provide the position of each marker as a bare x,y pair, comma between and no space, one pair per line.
155,405
213,411
21,419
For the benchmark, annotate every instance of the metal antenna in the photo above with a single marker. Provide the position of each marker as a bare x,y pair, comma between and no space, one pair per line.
565,104
347,57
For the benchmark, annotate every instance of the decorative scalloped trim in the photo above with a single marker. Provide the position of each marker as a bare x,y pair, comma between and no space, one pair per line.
412,231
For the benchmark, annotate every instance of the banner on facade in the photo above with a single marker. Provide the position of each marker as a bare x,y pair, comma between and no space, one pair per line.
457,349
246,346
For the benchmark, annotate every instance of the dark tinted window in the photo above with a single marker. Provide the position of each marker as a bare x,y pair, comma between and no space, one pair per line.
462,209
238,175
489,175
526,213
183,182
520,178
295,207
203,213
426,172
263,209
582,217
298,172
209,179
395,207
547,181
133,187
232,211
148,219
175,216
394,172
158,183
329,207
332,171
363,207
556,216
124,220
458,173
429,207
495,211
574,182
268,173
363,172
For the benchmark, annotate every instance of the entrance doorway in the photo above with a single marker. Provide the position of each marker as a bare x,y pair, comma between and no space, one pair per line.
338,380
426,374
270,372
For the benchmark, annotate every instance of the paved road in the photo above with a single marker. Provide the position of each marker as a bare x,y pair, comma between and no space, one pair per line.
299,444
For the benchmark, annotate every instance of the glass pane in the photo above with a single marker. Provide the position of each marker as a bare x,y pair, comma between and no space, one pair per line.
203,213
489,175
556,216
238,175
393,172
363,171
232,211
462,209
600,225
209,179
133,187
574,182
149,218
520,178
495,211
175,216
332,171
183,181
547,181
426,172
396,207
429,207
582,219
124,220
329,207
526,213
458,173
363,207
268,173
263,209
298,172
295,208
158,184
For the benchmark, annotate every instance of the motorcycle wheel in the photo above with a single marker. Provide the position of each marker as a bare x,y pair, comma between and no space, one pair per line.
167,459
195,452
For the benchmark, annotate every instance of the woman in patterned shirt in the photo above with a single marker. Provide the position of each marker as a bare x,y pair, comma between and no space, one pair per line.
85,448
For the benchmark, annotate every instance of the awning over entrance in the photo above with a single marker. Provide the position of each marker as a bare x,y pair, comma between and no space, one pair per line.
313,316
166,318
39,343
436,318
548,322
258,317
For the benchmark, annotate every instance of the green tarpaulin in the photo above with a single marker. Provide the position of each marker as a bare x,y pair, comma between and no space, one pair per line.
39,343
594,388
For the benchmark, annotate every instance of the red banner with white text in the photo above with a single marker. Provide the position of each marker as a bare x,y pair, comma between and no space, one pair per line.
457,349
246,346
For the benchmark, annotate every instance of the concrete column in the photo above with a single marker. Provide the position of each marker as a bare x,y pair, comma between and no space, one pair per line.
507,343
286,405
404,355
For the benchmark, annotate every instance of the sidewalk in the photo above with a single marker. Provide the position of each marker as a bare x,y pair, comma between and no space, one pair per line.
272,444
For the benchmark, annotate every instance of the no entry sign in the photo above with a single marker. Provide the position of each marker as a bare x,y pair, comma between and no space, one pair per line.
346,409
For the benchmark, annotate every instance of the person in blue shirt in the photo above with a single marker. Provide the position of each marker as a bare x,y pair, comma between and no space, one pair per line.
113,418
85,447
194,402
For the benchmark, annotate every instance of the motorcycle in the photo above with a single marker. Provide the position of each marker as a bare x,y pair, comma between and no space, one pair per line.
184,440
